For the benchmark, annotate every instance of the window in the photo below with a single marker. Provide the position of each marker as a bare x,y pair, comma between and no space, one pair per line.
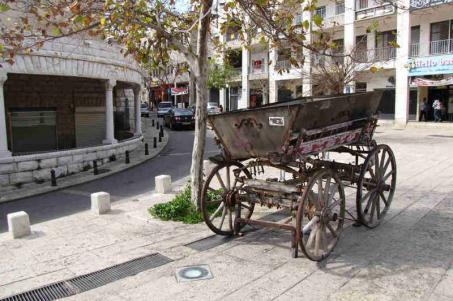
360,87
339,8
298,19
361,48
385,39
415,34
321,11
361,4
440,31
338,50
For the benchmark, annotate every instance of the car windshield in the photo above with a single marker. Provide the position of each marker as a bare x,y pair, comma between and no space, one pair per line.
144,106
183,111
165,105
212,104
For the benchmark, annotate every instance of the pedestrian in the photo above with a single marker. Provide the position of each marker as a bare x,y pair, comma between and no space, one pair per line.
221,108
424,110
437,106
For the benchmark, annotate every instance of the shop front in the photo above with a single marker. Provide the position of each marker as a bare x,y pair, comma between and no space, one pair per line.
433,78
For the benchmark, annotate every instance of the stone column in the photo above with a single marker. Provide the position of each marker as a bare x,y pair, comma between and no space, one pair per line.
138,114
402,56
349,38
371,45
4,152
306,68
424,44
245,93
109,118
273,93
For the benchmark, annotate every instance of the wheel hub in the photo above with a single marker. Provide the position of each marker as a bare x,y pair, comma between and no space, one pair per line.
230,198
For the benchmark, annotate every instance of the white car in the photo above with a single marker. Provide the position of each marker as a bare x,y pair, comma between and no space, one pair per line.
144,110
213,108
163,108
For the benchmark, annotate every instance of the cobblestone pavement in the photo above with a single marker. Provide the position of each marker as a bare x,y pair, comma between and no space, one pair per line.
408,257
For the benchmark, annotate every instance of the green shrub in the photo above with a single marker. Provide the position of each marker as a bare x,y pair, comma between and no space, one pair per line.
181,208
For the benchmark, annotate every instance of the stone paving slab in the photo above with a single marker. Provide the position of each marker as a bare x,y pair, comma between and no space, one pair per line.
408,257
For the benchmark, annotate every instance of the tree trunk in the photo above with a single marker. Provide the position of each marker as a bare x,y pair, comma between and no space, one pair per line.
201,86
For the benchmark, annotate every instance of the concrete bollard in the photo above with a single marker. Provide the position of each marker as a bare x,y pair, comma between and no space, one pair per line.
163,183
100,202
18,224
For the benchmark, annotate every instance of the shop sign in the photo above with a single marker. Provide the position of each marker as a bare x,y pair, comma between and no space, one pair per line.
429,65
417,4
179,91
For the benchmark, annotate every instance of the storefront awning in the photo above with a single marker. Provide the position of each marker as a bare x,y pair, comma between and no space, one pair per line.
423,82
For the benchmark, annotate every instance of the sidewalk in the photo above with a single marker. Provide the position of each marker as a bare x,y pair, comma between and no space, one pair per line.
408,257
136,157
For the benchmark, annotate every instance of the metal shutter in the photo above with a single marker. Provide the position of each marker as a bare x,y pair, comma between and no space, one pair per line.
90,126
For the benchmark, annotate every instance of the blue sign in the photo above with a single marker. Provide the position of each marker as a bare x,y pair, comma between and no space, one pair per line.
429,65
418,4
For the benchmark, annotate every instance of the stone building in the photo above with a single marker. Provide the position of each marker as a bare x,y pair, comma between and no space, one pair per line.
65,105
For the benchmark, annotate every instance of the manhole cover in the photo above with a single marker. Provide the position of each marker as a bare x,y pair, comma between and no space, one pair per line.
194,272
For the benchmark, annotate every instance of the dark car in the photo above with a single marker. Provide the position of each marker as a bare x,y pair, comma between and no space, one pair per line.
177,117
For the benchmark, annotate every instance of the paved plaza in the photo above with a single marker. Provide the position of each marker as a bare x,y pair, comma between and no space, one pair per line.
408,257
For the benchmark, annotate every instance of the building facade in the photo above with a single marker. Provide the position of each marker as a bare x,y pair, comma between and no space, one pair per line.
412,49
74,101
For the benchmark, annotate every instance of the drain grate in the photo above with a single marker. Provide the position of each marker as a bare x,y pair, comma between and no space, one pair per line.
93,280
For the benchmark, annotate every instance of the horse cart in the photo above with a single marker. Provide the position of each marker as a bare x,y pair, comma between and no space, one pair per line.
281,155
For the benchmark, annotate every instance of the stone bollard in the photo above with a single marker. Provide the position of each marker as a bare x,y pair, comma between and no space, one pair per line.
100,202
152,122
146,149
154,142
163,183
53,178
18,224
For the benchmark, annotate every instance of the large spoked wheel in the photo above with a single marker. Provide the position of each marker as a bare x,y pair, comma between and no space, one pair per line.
320,216
376,186
219,195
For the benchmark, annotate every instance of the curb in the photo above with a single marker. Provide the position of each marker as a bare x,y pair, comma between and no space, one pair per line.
34,191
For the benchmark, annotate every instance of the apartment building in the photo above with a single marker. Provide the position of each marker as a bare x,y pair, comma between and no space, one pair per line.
412,51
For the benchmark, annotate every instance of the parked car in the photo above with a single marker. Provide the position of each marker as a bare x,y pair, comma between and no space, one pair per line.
163,108
213,108
178,117
144,109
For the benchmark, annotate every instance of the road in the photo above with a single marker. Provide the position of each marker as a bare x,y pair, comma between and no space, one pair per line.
173,160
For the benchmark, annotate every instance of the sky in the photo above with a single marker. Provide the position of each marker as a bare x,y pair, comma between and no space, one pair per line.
182,5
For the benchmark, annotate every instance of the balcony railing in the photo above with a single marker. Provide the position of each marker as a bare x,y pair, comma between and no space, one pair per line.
373,12
414,50
441,47
283,64
236,72
376,55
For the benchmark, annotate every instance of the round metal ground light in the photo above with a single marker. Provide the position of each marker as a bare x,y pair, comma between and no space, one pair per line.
192,273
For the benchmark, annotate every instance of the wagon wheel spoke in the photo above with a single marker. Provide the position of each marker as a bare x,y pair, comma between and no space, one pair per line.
381,165
378,207
217,211
230,218
376,164
333,191
373,207
227,171
370,200
384,199
367,195
223,217
311,236
326,196
320,193
387,176
384,169
329,226
219,178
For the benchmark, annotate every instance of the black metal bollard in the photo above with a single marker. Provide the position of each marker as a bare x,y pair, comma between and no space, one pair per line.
53,179
160,138
154,142
95,168
157,125
152,122
146,149
161,131
127,157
